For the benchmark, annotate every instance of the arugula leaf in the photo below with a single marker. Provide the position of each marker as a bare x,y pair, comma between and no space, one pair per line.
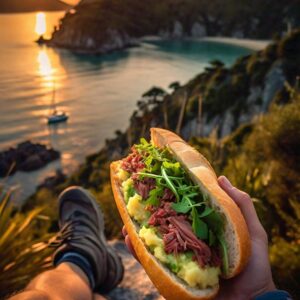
182,189
143,141
130,192
173,168
208,210
214,221
169,183
211,238
154,196
147,149
200,228
225,263
148,162
183,206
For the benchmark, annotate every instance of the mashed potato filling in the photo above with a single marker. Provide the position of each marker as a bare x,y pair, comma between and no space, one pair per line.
187,269
136,209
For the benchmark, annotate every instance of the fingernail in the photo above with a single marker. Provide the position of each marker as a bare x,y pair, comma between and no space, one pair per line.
225,181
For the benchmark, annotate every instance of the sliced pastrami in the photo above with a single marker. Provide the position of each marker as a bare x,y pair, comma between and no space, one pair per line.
168,195
178,235
133,163
181,238
143,187
160,215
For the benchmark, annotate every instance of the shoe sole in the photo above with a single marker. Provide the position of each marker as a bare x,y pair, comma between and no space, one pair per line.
101,224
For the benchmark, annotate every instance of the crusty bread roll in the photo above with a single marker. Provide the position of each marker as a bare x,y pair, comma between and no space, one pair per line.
236,232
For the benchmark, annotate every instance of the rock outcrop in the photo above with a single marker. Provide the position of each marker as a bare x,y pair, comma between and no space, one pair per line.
26,157
80,42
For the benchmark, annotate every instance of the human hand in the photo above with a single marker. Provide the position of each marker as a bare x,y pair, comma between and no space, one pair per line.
256,279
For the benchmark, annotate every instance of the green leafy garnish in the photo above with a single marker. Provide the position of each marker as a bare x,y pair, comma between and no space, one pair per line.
154,196
207,223
172,168
130,193
214,221
182,206
200,228
169,183
211,238
225,263
208,210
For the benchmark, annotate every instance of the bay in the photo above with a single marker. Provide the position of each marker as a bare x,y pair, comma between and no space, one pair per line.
99,93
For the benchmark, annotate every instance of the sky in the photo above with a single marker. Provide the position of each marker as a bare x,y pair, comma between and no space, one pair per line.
71,1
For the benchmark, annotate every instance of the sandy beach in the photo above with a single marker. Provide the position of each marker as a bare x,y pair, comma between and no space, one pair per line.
255,45
247,43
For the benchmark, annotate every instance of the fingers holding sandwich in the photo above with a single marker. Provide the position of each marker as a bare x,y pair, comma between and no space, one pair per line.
128,243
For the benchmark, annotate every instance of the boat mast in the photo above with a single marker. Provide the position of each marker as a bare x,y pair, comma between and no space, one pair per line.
53,98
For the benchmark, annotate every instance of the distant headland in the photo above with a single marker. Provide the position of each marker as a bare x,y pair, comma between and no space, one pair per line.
17,6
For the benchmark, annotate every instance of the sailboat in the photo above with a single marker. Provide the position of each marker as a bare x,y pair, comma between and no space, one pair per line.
56,116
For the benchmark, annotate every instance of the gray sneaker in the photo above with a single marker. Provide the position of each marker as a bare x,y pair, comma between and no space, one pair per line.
82,231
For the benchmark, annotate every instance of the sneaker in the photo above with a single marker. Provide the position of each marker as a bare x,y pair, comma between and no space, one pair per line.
82,231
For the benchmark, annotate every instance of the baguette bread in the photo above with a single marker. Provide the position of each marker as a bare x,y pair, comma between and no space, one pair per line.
236,232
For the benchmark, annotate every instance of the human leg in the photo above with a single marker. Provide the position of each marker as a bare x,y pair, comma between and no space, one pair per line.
67,281
83,259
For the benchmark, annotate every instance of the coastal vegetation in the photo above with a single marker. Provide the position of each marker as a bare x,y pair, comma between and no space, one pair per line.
245,119
108,25
23,246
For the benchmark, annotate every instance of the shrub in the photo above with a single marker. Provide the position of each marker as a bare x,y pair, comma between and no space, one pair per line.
23,255
113,223
289,47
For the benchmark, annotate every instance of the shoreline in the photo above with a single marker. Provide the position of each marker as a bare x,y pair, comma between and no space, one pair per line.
246,43
255,45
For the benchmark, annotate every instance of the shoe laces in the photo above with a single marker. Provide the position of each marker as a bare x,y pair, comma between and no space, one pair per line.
66,233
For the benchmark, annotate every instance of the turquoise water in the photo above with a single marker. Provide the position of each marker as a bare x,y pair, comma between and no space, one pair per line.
99,93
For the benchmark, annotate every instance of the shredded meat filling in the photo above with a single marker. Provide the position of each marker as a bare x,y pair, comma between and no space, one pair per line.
177,232
133,163
143,187
178,235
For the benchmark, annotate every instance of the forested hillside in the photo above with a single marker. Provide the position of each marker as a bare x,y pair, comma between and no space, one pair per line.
100,26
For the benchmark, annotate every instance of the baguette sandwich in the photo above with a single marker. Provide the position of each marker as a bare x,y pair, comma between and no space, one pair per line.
186,231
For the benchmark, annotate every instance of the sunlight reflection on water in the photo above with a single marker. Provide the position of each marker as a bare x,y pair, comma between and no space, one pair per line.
45,67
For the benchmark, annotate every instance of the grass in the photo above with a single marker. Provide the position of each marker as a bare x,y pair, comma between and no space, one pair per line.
23,255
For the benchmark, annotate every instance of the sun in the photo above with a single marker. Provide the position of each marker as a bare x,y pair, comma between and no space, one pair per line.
72,2
40,25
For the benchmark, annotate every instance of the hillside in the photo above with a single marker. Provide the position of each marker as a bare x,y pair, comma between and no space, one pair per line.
11,6
245,119
101,26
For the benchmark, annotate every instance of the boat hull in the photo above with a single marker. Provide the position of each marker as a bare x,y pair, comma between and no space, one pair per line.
57,119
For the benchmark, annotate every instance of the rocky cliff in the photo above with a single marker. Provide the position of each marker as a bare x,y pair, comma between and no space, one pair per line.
98,27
